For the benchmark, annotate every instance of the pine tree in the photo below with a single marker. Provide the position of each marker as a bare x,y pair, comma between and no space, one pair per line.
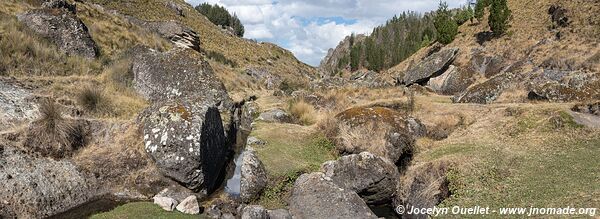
499,16
479,8
446,27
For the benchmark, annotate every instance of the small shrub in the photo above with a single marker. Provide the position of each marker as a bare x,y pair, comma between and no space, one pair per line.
303,112
52,135
93,100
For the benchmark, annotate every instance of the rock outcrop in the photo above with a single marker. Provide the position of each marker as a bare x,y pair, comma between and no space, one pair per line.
564,85
432,66
316,196
255,212
372,177
253,176
454,80
264,77
378,130
35,187
423,186
180,35
486,92
189,205
331,62
58,23
17,104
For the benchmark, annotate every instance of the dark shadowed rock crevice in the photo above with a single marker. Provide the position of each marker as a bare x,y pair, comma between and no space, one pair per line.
431,66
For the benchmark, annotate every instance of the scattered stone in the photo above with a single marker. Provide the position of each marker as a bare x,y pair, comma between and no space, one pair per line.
255,212
453,81
166,203
189,205
263,76
431,66
372,177
62,28
315,196
279,214
253,141
254,176
276,115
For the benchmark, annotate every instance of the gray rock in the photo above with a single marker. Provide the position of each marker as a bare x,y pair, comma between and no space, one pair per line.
177,8
180,35
276,115
63,28
564,86
316,196
40,187
423,186
177,192
279,214
254,212
253,176
166,203
60,4
253,141
487,65
189,205
453,81
263,76
17,104
431,66
372,177
486,92
415,127
187,141
176,74
250,111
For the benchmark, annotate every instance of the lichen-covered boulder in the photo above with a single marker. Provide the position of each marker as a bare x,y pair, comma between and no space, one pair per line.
315,196
253,176
488,91
187,141
453,81
372,177
35,187
378,130
431,66
564,86
17,104
176,74
60,25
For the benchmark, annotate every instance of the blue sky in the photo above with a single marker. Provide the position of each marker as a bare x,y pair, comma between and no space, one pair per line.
310,28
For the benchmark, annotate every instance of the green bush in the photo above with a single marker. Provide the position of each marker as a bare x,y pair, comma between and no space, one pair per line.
463,15
499,16
446,27
480,8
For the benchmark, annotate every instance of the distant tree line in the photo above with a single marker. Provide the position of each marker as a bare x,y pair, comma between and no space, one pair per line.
218,15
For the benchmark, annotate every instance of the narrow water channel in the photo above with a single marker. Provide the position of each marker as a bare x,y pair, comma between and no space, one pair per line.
232,187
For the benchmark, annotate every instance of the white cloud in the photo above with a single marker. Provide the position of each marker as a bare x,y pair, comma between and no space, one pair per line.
300,27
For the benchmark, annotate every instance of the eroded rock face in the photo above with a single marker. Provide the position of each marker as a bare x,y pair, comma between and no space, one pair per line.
431,66
372,177
40,187
254,176
187,141
453,81
559,85
180,35
59,25
17,104
423,186
315,196
378,130
486,92
176,74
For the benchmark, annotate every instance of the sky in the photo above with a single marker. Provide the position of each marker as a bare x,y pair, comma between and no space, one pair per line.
310,28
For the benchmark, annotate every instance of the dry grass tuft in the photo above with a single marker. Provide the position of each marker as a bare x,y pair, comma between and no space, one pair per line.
304,112
94,100
52,135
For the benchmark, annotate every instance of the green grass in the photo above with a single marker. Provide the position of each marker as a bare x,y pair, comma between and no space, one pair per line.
290,151
146,210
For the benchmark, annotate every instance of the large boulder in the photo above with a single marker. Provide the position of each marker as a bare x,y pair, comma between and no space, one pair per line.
176,74
488,91
422,186
187,141
315,196
253,176
189,205
35,187
372,177
59,24
486,65
378,130
453,81
564,85
431,66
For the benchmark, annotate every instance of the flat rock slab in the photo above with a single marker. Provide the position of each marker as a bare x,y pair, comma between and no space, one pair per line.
587,120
